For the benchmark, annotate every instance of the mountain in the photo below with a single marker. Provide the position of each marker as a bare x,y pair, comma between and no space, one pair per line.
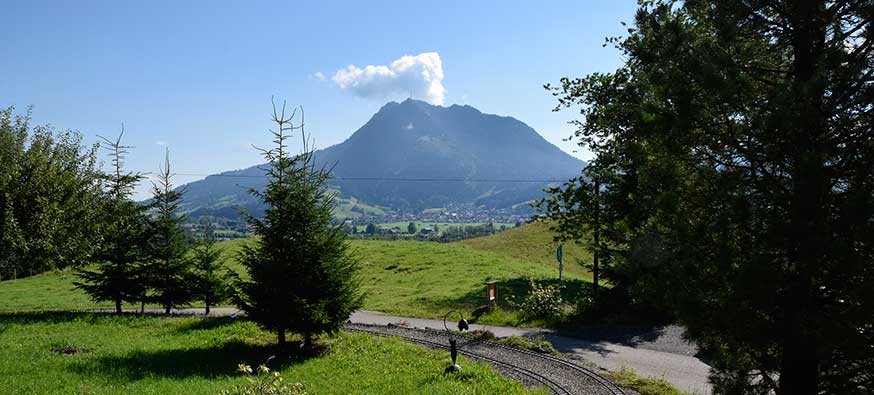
421,144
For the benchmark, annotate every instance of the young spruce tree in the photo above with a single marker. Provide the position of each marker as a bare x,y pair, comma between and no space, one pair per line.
303,276
210,275
168,273
117,272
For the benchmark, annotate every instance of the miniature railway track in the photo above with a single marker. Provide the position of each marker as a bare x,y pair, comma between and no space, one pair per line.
604,384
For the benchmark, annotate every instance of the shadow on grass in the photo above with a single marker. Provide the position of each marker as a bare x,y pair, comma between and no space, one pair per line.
209,362
509,293
206,323
53,317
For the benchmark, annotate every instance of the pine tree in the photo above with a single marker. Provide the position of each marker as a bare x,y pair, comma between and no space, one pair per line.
119,268
303,276
734,150
169,270
212,282
411,228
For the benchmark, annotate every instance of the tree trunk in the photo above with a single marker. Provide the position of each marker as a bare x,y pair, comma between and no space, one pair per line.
307,341
207,308
117,305
799,370
167,310
281,333
597,236
807,233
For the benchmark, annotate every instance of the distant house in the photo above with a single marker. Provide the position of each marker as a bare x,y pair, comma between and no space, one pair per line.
426,231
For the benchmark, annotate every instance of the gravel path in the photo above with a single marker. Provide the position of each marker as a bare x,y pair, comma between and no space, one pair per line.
560,375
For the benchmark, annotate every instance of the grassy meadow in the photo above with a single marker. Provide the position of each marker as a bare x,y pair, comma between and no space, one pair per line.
50,349
406,278
79,353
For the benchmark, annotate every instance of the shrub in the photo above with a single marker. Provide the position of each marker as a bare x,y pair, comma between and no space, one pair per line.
542,301
481,334
536,345
264,383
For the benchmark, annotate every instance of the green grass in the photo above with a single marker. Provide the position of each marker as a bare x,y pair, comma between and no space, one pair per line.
421,279
343,209
644,385
407,278
533,243
153,355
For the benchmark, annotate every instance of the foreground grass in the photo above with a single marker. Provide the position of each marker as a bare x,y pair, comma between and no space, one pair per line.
644,385
406,278
68,353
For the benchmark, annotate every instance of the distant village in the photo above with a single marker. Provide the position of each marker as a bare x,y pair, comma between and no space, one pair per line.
453,216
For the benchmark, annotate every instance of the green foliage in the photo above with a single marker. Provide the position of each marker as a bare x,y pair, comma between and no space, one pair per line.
168,273
542,301
411,228
734,153
536,345
644,385
118,273
211,277
49,198
302,276
264,382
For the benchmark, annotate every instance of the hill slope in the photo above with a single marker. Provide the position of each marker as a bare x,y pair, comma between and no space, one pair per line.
409,278
419,143
533,243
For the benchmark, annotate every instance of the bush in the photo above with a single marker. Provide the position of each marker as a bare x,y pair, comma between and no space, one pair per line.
536,345
481,334
264,383
542,301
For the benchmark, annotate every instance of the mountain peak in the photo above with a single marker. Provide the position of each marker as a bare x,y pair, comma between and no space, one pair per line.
415,140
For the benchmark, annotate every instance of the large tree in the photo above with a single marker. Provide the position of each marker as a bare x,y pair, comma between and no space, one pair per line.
303,276
734,149
117,271
49,195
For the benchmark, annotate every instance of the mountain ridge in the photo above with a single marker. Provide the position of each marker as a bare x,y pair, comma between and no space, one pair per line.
413,140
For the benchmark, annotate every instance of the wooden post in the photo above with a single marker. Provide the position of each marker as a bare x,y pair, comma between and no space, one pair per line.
597,237
491,293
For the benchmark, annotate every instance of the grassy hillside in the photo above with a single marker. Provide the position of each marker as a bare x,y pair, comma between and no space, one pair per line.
408,278
533,243
69,353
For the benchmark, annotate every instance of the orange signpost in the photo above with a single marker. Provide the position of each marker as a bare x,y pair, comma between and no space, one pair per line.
491,292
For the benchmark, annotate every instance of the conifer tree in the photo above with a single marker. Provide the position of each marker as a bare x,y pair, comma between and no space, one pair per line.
118,261
168,273
303,276
212,282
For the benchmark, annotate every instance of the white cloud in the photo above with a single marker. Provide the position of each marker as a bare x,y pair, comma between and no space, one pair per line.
319,76
420,76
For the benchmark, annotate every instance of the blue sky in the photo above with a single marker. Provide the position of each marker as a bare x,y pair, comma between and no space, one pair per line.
198,76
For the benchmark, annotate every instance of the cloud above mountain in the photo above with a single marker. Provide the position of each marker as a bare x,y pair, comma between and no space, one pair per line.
420,76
